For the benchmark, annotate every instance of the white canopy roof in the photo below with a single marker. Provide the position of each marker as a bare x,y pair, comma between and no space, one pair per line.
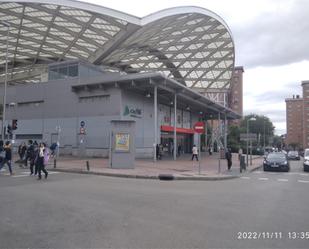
191,45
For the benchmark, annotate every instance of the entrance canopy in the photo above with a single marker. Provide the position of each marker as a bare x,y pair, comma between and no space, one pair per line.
190,45
143,84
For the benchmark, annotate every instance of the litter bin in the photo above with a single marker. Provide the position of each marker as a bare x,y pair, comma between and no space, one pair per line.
242,163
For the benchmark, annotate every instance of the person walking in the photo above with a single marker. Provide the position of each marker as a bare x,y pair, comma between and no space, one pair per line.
40,161
228,156
239,153
8,157
2,152
194,153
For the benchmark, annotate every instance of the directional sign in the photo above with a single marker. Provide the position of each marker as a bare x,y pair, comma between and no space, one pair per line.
199,127
249,137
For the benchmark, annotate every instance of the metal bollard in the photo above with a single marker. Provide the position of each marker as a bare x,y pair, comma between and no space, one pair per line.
55,163
87,165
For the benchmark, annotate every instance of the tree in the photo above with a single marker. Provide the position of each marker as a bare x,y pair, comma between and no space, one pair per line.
262,127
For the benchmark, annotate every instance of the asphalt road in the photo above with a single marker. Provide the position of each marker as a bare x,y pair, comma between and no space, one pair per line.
258,210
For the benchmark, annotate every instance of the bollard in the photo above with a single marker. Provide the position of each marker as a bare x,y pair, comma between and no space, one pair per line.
87,165
55,163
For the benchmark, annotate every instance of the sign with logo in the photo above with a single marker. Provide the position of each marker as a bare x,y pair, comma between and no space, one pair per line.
122,142
132,112
199,127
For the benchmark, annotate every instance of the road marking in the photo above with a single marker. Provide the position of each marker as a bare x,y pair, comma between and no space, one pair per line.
245,177
304,174
282,180
302,181
263,178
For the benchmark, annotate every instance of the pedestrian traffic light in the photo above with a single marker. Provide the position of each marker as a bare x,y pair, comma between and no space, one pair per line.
14,124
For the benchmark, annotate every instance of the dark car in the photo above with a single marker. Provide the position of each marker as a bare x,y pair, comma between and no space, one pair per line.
276,161
293,155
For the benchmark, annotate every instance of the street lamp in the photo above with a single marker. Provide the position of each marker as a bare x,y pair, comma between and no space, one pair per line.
248,120
6,77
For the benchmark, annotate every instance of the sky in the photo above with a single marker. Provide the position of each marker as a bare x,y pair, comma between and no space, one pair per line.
271,42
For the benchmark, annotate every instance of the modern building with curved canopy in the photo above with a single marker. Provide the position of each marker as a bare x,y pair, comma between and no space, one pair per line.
174,55
192,45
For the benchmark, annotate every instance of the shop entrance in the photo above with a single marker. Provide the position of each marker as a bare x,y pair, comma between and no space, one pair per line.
184,140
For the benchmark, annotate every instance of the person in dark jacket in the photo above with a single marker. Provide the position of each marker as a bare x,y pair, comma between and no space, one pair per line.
2,152
228,156
8,157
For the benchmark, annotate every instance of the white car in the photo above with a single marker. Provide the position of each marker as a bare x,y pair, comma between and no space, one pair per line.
306,160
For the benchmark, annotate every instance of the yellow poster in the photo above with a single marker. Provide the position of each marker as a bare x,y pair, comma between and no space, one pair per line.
122,142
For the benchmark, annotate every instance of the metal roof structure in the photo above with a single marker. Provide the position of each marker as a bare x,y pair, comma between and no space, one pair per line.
190,45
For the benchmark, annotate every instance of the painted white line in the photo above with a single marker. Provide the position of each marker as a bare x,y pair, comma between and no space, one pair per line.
257,172
19,176
304,174
263,178
282,180
302,181
245,177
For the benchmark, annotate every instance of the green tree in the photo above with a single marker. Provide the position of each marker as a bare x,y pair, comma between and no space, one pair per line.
261,126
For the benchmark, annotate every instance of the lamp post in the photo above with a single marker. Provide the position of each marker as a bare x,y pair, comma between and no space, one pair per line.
6,77
248,120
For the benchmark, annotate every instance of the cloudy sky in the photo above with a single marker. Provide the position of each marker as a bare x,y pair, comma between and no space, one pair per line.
271,40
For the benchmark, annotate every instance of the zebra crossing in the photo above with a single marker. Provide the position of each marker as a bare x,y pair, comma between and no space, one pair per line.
301,177
20,174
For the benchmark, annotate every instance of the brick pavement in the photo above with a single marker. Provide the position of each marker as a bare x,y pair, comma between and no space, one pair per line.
182,168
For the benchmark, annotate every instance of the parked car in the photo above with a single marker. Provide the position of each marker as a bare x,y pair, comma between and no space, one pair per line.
276,161
306,160
293,155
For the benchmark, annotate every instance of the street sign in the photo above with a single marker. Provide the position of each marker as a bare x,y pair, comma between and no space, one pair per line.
249,137
82,123
199,127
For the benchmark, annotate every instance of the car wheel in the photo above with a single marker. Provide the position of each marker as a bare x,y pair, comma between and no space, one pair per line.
265,168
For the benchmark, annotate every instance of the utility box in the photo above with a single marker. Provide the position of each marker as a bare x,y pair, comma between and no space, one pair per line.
122,144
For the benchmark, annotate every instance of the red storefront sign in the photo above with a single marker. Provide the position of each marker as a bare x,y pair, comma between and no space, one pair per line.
178,130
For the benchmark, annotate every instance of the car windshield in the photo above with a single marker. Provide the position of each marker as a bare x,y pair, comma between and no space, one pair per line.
307,153
276,156
293,153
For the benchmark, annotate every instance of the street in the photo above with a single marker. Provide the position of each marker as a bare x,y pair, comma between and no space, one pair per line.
257,210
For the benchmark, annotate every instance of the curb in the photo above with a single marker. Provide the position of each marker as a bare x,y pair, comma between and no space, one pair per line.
159,177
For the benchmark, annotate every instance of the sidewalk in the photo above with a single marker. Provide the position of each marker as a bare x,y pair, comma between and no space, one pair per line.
181,169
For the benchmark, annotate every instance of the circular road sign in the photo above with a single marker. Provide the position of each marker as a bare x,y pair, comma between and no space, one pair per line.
82,123
199,127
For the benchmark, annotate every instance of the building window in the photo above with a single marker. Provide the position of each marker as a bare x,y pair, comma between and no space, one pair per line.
63,71
30,103
96,98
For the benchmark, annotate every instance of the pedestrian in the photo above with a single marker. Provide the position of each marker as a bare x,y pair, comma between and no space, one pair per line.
53,148
194,153
22,149
228,156
210,150
8,157
239,153
29,153
179,150
2,152
41,157
157,151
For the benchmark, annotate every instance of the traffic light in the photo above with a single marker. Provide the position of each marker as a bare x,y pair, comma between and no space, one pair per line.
9,129
14,124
